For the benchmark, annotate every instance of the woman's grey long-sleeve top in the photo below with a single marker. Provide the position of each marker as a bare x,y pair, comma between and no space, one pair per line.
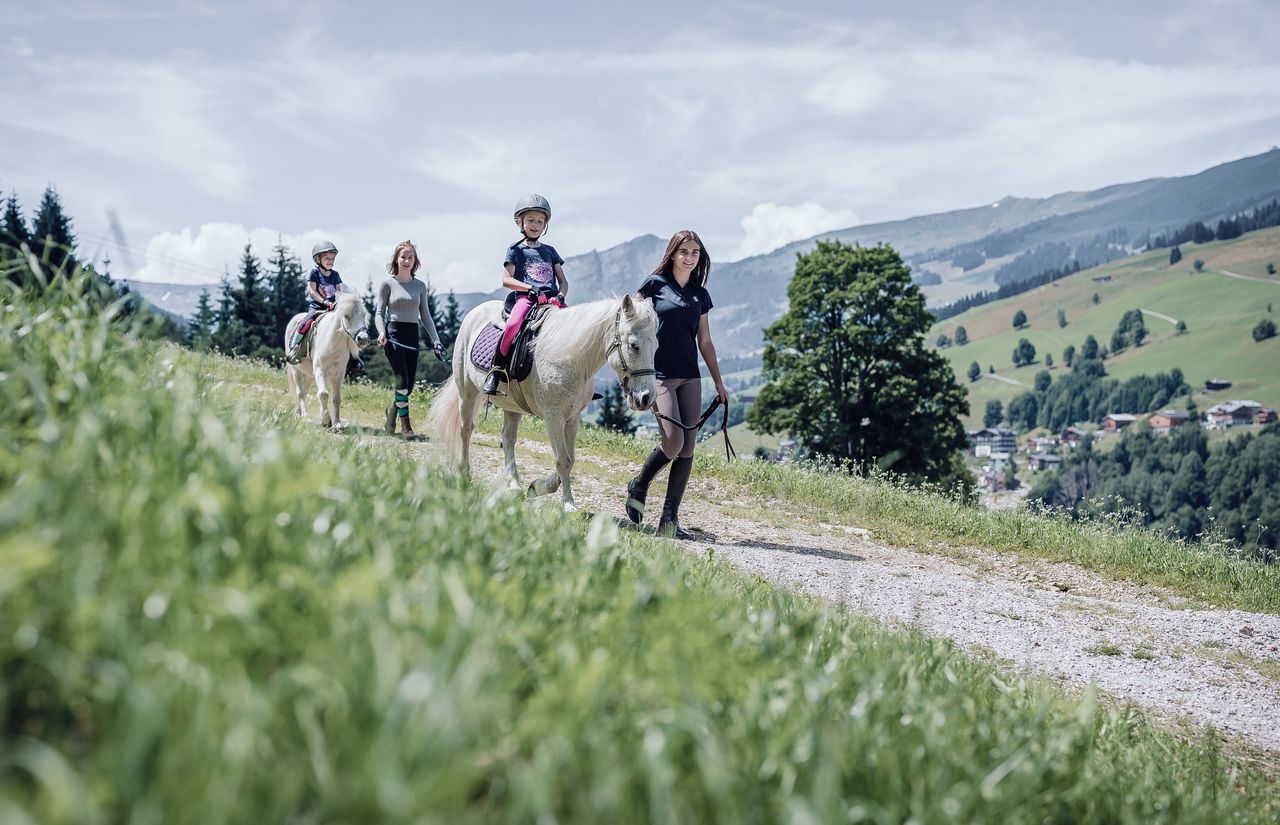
403,302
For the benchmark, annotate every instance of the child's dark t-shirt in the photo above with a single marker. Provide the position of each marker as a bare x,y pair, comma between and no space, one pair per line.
680,311
535,265
326,285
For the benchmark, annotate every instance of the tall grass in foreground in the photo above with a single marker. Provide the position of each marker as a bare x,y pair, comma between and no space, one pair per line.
213,616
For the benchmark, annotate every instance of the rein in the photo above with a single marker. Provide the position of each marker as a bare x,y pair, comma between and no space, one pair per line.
729,452
393,342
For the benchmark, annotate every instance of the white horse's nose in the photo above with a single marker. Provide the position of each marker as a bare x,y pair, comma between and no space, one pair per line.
640,399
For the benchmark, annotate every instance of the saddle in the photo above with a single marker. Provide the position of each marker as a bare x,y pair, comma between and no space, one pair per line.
485,347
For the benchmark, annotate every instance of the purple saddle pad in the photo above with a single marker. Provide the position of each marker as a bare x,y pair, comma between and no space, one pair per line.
486,346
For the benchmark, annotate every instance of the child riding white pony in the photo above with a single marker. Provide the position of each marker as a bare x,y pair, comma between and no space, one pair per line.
336,337
573,344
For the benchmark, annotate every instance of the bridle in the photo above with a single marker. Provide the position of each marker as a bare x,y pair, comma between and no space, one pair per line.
616,344
354,336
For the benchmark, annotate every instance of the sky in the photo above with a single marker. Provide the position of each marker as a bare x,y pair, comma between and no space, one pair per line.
205,125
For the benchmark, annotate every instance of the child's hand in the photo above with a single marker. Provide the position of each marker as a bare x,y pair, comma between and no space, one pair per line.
382,340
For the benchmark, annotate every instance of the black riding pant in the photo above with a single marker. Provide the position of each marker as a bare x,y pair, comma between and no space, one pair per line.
402,351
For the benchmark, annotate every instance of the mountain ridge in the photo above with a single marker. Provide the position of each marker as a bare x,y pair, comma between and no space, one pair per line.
1023,233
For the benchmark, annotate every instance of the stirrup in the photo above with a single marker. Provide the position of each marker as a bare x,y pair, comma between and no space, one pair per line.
496,375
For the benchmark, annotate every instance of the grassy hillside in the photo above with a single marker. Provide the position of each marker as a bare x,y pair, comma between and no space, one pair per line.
216,614
1219,309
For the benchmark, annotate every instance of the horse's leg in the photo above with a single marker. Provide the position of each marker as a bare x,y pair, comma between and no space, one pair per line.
322,393
466,416
510,429
570,444
295,392
336,399
555,434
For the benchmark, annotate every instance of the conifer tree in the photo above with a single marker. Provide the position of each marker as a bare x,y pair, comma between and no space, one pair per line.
286,287
452,321
201,326
52,237
13,227
962,336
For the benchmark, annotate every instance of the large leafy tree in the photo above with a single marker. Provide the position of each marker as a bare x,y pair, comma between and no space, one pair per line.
848,374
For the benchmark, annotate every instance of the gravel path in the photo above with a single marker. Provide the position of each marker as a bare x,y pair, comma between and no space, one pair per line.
1212,667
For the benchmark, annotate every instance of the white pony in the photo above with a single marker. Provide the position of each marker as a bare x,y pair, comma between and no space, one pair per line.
572,346
335,338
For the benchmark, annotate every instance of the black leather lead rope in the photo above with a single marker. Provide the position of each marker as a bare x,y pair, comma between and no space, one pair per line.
729,452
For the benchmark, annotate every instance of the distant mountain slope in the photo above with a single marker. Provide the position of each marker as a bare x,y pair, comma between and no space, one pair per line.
1219,310
966,250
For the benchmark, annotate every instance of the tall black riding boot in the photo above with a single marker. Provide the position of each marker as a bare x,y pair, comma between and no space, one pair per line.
669,522
638,487
498,372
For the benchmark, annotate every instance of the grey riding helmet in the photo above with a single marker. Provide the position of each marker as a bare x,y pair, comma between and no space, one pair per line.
323,247
530,203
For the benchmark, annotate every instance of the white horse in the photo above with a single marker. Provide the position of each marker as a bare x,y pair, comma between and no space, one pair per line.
335,338
571,347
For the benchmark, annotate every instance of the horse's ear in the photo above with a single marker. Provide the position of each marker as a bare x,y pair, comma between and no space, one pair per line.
628,305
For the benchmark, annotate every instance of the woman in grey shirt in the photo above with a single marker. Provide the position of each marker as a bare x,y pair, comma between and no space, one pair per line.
400,305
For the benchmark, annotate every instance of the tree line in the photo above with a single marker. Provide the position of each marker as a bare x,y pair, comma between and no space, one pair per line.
1176,482
251,312
1260,217
1007,290
1087,394
50,239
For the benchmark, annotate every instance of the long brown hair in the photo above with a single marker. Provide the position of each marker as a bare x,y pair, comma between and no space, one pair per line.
701,270
394,266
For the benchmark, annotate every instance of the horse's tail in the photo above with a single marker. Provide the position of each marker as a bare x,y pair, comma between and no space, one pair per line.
444,420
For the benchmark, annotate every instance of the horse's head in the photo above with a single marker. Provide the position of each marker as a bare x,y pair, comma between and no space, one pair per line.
631,356
354,317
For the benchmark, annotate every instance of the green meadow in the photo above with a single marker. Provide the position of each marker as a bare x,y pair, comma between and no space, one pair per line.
213,613
1219,310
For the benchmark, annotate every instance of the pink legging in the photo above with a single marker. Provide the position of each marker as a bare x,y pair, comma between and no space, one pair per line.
516,320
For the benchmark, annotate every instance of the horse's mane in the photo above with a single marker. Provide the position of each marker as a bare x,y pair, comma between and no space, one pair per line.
346,298
575,329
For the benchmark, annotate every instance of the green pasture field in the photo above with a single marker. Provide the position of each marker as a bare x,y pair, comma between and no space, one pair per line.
1219,310
213,613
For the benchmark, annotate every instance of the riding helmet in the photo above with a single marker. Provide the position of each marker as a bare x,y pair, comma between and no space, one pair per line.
531,202
323,247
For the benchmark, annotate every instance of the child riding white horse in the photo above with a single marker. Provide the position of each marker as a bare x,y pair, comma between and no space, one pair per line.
335,339
571,347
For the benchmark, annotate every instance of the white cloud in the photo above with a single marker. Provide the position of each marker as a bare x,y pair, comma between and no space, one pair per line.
770,226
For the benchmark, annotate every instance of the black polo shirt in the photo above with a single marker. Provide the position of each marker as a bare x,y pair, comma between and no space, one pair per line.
680,311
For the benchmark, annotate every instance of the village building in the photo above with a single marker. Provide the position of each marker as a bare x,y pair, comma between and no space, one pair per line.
1165,420
1236,413
1215,384
1043,461
1115,422
991,440
1072,436
1041,444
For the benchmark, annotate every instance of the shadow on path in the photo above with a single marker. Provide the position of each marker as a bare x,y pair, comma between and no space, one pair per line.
835,555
